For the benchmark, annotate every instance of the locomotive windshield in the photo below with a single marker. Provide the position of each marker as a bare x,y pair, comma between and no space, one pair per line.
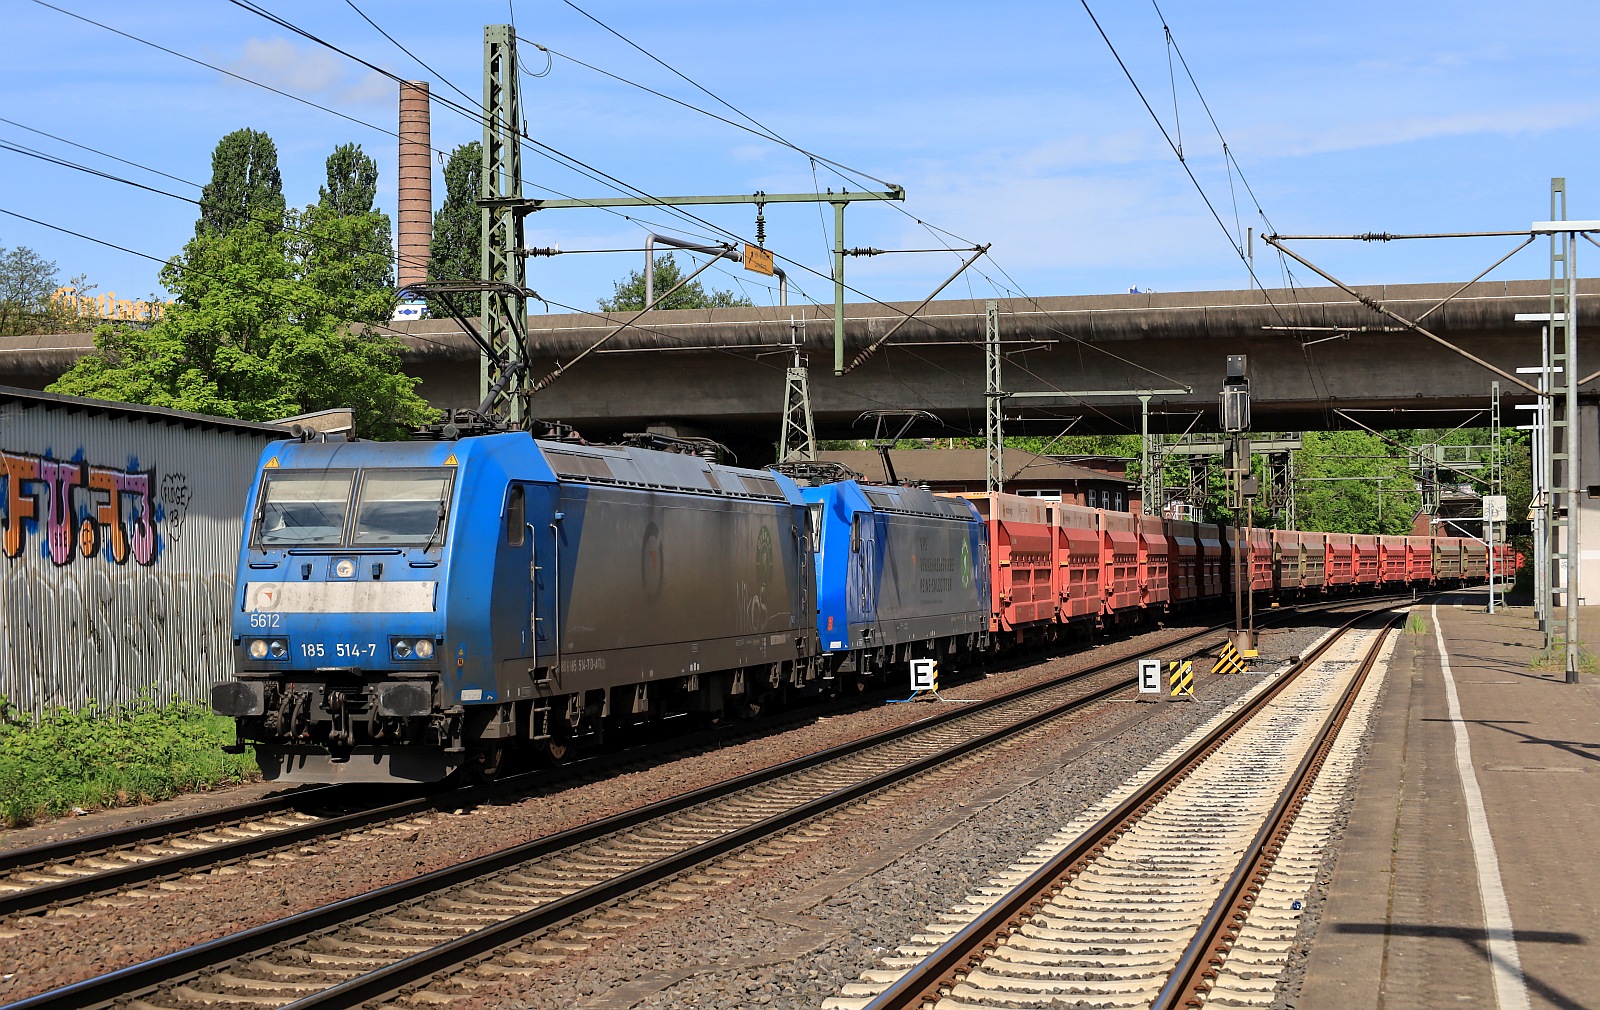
402,507
312,508
301,509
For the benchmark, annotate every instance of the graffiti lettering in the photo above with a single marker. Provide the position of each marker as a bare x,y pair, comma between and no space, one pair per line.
87,510
175,495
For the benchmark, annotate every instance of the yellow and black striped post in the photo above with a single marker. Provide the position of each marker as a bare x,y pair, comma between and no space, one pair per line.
1230,661
1180,678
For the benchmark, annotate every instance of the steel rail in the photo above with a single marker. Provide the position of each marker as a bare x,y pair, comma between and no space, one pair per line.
76,888
44,896
12,860
968,947
139,978
1197,967
435,960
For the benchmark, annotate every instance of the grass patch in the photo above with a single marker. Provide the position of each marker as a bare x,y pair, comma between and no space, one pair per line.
135,753
1416,624
1555,658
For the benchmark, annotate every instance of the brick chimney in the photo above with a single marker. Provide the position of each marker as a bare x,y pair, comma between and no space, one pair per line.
416,183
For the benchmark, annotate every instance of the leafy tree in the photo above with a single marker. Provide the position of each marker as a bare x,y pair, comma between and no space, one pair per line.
261,325
352,182
27,283
628,295
245,185
344,244
1344,474
456,251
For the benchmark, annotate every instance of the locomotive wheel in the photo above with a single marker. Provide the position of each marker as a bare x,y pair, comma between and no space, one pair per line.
559,752
485,764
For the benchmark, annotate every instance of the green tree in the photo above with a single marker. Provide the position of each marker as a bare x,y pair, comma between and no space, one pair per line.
344,244
352,182
456,251
1354,482
628,295
262,322
28,283
245,185
252,335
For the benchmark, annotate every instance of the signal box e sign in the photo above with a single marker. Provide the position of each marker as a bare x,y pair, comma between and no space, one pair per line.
758,260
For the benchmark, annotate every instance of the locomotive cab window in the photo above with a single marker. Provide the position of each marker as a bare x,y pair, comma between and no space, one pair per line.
301,509
814,514
402,507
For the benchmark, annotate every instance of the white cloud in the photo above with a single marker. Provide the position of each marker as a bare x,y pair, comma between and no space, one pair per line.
308,71
1515,121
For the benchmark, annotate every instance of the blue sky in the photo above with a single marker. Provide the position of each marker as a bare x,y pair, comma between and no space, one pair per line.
1006,123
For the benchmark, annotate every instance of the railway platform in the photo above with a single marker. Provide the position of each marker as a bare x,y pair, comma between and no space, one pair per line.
1469,874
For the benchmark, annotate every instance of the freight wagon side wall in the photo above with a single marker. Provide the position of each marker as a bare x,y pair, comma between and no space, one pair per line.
121,537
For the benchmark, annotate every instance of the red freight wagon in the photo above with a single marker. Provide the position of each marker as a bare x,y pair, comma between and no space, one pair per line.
1340,566
1286,560
1475,560
1447,558
1021,560
1078,562
1419,559
1210,537
1391,559
1119,560
1155,561
1257,557
1366,557
1185,572
1313,560
1260,559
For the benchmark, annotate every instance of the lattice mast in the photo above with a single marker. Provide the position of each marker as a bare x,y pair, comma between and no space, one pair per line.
504,306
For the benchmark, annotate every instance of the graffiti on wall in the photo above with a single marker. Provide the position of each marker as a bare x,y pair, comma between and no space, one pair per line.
103,633
85,510
175,497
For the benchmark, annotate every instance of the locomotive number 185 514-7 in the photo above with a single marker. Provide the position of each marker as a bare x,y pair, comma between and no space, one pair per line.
339,650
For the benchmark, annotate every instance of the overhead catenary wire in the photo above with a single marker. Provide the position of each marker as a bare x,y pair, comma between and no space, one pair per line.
766,130
315,105
180,265
1178,151
560,157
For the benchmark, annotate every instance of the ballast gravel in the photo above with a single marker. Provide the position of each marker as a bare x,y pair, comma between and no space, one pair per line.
742,947
795,933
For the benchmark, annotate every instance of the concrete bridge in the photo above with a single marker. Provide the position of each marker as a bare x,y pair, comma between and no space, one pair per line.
721,372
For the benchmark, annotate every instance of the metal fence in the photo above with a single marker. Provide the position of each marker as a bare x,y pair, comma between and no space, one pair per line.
121,532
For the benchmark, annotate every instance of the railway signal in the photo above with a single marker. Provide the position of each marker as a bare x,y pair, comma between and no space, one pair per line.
1234,413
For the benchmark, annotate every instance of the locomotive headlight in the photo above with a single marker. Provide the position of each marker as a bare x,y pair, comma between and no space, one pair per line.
402,649
278,648
258,648
424,648
345,568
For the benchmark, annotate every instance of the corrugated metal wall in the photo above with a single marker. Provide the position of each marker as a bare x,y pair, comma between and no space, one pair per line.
121,533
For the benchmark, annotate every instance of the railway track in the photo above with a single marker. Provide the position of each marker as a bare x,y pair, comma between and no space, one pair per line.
59,874
1144,899
594,880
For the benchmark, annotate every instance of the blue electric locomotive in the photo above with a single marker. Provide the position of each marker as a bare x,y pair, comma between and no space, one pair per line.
407,609
901,574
